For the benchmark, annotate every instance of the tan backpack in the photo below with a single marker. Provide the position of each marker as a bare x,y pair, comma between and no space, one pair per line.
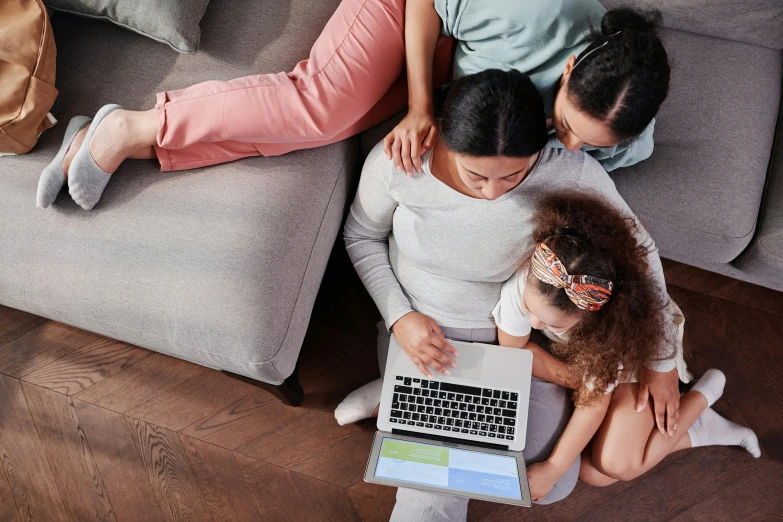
27,70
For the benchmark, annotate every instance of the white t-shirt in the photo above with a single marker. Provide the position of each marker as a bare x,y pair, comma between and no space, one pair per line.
512,319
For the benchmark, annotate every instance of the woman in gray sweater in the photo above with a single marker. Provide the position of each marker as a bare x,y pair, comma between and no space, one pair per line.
434,251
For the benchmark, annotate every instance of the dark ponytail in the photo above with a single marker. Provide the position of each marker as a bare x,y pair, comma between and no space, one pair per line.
623,75
592,238
494,113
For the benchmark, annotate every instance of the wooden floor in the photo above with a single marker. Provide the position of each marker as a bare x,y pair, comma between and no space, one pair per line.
94,429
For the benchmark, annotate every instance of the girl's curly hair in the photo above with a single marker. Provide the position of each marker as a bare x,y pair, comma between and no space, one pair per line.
591,238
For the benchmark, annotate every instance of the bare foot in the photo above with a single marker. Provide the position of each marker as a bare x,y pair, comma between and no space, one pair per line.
73,149
375,412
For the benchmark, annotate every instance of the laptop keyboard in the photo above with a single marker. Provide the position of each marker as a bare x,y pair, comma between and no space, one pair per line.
456,408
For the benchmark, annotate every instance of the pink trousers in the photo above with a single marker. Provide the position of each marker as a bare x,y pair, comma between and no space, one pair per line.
353,79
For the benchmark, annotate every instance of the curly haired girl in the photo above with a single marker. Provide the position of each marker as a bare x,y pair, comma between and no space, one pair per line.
587,288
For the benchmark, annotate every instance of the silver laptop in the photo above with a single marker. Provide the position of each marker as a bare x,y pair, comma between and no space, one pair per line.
461,434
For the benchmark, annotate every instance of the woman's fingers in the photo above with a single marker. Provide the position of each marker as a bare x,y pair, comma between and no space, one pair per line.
441,357
430,140
442,342
435,327
387,144
396,146
420,365
660,417
406,154
442,345
643,397
672,416
416,153
430,359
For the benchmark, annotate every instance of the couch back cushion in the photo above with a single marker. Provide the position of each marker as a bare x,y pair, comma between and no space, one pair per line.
173,22
758,22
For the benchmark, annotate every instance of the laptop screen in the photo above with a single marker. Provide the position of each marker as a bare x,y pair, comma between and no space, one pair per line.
472,471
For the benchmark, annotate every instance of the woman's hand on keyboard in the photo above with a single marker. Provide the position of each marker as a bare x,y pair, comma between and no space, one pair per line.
423,341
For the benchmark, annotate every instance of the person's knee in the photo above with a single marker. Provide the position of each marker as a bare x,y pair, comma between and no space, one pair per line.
590,477
615,465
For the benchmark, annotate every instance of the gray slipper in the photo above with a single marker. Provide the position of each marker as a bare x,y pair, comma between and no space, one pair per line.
53,178
86,180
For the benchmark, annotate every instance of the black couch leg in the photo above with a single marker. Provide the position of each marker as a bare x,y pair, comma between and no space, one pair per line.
290,392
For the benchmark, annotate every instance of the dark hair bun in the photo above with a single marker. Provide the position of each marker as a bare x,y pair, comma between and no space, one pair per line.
625,19
622,77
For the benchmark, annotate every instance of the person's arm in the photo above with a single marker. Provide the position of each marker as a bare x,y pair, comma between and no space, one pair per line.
546,366
584,423
549,368
511,341
422,30
366,235
417,132
659,377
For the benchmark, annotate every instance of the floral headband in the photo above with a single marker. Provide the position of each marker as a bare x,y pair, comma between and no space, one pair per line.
587,292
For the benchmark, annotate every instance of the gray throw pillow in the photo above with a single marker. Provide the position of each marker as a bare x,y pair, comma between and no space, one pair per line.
174,22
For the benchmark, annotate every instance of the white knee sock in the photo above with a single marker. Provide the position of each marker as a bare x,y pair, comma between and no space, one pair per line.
711,385
360,403
713,430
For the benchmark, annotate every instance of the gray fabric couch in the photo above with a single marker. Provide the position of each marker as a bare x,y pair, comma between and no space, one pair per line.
221,265
712,193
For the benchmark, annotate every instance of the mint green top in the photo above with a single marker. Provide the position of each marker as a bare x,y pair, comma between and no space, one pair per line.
535,37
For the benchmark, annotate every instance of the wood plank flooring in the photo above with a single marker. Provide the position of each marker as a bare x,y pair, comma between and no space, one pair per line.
95,429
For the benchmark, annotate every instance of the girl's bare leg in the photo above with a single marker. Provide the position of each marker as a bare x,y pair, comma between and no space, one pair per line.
627,443
588,472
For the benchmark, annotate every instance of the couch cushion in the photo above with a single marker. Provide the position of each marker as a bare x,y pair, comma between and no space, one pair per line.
219,265
174,22
700,192
758,22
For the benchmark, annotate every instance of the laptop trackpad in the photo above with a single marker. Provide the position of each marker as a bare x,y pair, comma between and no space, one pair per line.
470,362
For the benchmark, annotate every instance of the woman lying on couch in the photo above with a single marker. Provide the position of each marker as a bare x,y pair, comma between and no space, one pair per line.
602,89
434,253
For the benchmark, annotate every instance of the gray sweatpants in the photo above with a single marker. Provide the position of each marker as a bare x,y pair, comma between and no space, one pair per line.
549,412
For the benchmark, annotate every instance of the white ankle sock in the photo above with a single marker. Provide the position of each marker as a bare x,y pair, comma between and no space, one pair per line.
360,403
711,385
713,430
